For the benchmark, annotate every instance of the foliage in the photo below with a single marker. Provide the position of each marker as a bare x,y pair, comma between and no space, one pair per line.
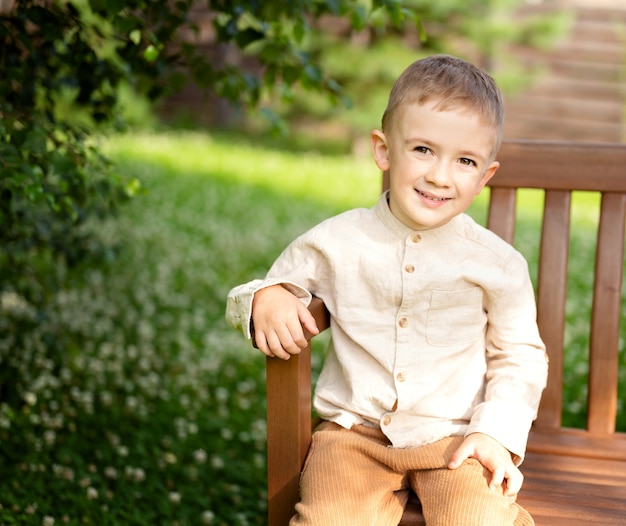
366,63
63,64
156,413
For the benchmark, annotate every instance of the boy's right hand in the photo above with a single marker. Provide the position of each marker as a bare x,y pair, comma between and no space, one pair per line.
280,320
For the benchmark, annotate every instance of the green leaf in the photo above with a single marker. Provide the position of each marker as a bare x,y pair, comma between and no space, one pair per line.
358,17
132,187
135,36
151,53
35,141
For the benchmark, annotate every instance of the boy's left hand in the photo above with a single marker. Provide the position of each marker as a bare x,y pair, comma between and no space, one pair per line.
495,457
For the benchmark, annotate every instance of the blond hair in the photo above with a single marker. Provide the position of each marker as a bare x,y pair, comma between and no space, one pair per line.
452,82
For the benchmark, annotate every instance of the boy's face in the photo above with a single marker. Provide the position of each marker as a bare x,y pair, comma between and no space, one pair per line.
438,162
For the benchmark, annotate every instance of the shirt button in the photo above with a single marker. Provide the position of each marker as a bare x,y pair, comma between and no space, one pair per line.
401,377
409,268
416,238
403,322
386,420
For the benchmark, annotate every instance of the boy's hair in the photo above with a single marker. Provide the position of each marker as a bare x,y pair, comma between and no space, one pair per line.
453,82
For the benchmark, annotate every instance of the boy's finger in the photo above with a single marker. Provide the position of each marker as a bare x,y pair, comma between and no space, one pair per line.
514,483
307,322
497,477
459,456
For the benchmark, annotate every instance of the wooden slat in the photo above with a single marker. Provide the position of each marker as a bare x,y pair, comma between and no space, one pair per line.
501,218
288,431
551,294
552,165
604,344
288,387
579,443
573,491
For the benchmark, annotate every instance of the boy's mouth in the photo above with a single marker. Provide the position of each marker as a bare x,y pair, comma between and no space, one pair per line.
432,197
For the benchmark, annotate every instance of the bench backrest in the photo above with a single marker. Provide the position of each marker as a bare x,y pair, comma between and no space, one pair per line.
559,169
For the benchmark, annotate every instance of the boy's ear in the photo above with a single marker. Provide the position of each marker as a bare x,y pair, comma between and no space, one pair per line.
489,173
380,149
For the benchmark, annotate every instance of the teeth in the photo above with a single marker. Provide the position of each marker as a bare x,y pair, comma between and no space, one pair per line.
432,198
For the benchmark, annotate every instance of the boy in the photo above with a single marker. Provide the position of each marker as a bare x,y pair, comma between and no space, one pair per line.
436,366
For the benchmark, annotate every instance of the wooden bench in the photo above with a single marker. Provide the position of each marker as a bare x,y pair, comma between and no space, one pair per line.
572,476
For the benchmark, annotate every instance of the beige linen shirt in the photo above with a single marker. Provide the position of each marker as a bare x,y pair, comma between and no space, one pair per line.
434,332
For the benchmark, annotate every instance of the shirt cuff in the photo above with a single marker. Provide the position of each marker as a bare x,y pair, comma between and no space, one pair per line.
505,422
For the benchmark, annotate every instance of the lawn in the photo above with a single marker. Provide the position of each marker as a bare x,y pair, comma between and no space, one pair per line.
155,412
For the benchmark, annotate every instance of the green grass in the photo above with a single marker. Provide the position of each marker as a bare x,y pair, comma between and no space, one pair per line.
155,413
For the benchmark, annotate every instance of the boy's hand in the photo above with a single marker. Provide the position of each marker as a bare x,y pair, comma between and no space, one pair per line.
279,320
495,457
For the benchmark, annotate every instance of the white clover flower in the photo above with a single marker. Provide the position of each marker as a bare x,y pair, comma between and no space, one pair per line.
207,517
47,521
222,394
110,472
242,520
106,398
244,404
50,437
92,493
174,497
68,474
170,458
139,475
217,462
132,402
200,456
258,461
30,398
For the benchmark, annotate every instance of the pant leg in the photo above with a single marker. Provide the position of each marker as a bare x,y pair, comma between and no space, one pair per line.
346,481
462,496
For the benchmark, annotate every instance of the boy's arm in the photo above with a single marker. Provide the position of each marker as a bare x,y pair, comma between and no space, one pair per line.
517,364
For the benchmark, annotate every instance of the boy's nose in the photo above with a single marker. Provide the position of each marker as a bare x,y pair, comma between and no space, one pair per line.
438,175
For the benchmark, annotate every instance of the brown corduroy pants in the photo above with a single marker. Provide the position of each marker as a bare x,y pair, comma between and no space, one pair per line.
353,478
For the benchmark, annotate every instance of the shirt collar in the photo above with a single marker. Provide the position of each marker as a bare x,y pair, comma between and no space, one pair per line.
402,231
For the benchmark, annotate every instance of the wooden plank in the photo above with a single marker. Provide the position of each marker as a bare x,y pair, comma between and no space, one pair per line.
555,165
501,219
288,388
551,295
605,321
567,490
579,443
288,431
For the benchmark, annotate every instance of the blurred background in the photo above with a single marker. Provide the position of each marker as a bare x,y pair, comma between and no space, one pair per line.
155,154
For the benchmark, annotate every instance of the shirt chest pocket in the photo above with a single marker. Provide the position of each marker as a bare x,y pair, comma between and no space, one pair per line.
455,317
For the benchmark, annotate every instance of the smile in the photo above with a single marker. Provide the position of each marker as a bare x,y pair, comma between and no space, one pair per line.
431,197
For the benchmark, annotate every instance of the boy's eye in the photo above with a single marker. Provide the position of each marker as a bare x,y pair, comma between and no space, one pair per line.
466,161
422,149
